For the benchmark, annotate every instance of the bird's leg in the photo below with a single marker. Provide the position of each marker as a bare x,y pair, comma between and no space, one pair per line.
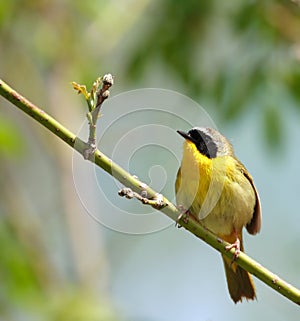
236,245
184,215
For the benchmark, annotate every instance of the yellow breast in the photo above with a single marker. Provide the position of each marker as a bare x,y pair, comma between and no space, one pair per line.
215,191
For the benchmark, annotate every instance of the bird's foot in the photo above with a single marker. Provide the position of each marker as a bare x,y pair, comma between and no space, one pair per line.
237,246
184,215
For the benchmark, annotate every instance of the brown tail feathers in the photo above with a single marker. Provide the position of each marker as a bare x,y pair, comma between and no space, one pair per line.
240,284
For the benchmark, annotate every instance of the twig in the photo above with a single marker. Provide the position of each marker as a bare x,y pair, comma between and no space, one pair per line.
156,202
269,278
94,99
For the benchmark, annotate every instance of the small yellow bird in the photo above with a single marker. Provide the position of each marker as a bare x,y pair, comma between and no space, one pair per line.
216,188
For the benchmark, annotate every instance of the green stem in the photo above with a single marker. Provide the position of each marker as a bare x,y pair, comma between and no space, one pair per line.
128,180
94,110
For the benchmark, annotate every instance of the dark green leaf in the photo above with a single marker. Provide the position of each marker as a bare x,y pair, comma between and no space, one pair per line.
273,127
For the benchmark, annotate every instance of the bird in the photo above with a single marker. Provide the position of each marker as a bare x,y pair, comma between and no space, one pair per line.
213,186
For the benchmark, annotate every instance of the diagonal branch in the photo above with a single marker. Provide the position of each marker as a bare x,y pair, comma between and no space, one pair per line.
247,263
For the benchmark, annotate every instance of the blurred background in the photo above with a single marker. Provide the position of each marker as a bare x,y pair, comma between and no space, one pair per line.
239,60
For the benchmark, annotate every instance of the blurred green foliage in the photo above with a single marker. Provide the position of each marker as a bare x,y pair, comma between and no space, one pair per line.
235,55
11,142
250,47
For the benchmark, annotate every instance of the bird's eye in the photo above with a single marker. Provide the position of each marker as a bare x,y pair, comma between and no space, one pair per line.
203,142
195,134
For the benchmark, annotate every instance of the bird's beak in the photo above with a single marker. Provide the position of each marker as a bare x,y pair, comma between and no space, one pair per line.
184,135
